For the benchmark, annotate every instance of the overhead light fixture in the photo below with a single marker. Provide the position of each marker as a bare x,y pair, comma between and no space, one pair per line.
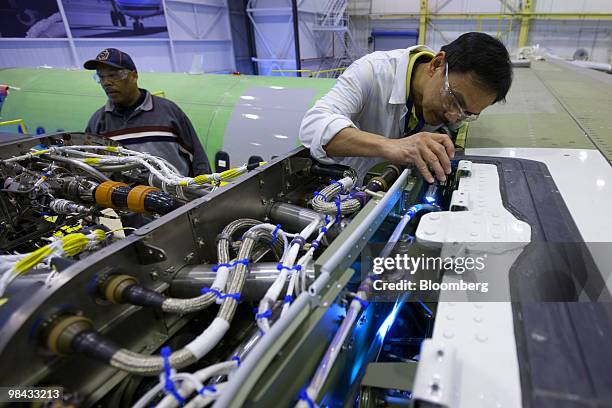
250,116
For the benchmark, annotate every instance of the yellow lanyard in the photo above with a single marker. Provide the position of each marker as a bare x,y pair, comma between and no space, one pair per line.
413,120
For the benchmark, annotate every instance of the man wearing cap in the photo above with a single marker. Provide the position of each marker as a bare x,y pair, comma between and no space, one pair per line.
140,121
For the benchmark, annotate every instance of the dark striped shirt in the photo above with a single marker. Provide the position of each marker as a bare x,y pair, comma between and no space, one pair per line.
158,127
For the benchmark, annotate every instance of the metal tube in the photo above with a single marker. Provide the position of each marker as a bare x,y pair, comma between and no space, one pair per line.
119,167
85,167
292,217
191,279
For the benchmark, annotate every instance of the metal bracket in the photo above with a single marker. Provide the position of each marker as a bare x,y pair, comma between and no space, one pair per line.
464,169
394,376
459,201
149,254
434,378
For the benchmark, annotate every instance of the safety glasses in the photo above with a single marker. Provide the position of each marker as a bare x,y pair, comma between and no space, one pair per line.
114,76
451,103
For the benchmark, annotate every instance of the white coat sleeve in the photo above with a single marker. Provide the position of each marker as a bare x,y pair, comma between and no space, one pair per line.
337,109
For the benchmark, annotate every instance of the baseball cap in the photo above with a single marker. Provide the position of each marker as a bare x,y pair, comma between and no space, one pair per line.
113,58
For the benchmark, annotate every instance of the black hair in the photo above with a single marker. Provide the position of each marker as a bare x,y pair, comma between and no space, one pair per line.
484,57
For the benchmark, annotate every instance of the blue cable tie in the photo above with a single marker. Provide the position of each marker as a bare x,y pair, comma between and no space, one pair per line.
317,194
244,261
266,314
237,360
209,388
216,267
280,267
231,265
275,235
314,244
288,299
364,303
204,291
324,229
327,219
169,384
338,213
340,184
220,295
304,397
235,296
298,239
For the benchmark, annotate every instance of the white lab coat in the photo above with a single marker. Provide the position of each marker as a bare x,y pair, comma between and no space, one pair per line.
371,96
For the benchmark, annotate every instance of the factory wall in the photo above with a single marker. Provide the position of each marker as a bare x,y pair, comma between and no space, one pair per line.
222,36
195,36
242,37
274,35
560,37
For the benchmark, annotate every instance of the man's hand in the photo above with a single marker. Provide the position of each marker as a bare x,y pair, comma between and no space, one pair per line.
422,150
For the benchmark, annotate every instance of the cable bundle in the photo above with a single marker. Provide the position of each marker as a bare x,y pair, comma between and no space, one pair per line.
11,266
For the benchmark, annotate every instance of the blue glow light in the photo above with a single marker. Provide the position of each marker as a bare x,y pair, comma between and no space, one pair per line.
388,322
427,310
430,199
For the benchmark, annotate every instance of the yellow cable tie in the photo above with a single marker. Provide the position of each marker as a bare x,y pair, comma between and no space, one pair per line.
112,149
3,301
91,160
39,152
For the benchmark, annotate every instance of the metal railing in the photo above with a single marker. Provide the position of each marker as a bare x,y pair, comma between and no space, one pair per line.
18,122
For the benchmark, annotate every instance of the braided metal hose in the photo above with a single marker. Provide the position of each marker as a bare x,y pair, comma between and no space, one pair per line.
324,201
228,307
142,364
183,306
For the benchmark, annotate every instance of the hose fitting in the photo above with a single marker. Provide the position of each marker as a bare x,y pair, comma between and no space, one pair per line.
119,289
61,333
139,199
